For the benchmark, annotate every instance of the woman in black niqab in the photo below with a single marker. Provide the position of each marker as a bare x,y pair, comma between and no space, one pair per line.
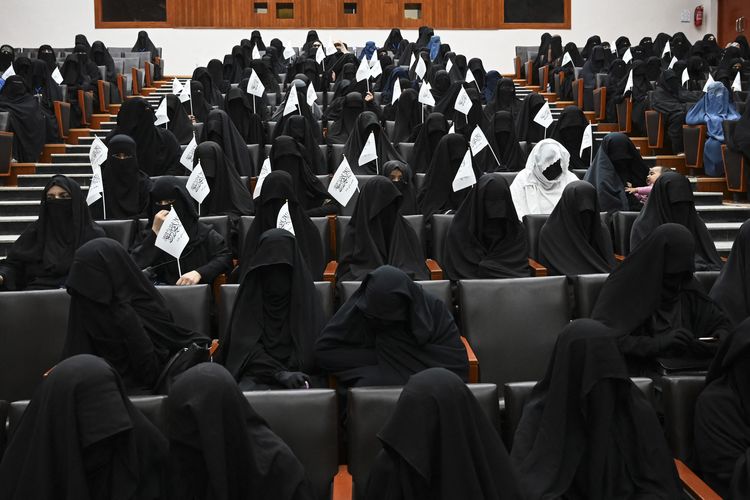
220,448
592,42
219,128
276,318
197,107
81,437
46,91
247,118
504,154
101,57
229,195
732,288
387,331
617,75
41,257
216,70
574,240
671,200
367,123
296,128
27,120
568,131
344,111
485,238
408,115
740,140
392,42
211,93
587,422
526,128
425,145
504,99
402,177
179,123
439,444
669,99
680,46
303,109
289,156
7,55
144,44
47,54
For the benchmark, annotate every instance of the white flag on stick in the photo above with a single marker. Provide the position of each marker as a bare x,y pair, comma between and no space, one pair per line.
284,219
425,96
708,82
57,76
448,66
465,174
685,76
96,188
478,141
176,87
185,93
421,68
629,83
363,72
289,51
255,86
544,116
737,83
172,237
8,72
452,130
264,171
627,56
161,113
667,49
411,59
197,185
588,139
671,63
375,69
312,96
343,184
567,59
320,55
463,102
97,152
396,91
256,52
369,151
189,154
469,76
292,102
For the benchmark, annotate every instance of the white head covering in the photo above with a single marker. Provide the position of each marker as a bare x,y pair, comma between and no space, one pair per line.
532,192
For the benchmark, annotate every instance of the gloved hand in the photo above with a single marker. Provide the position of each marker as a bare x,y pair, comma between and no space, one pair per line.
292,380
679,338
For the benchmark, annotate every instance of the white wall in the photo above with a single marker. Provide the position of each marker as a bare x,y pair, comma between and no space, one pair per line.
30,24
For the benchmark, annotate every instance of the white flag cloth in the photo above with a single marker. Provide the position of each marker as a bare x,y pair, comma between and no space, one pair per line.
667,49
566,59
256,52
57,76
96,188
425,96
343,184
737,84
411,59
708,82
264,171
369,151
363,72
8,72
421,68
161,113
452,130
588,139
375,70
176,87
172,237
331,47
371,60
671,63
685,76
197,185
627,56
465,175
284,219
544,116
448,66
255,86
312,96
478,141
629,84
97,152
469,76
185,92
289,51
463,101
396,91
187,156
320,55
292,101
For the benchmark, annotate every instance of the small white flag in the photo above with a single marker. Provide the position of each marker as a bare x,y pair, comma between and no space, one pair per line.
97,152
289,52
396,91
463,101
544,116
185,93
331,47
369,151
671,63
737,83
292,102
172,237
256,53
284,219
343,184
588,139
667,49
627,56
96,187
421,68
452,130
567,59
376,70
176,87
469,76
312,96
411,59
371,60
320,55
189,154
478,141
685,76
363,72
254,85
448,66
465,174
708,82
629,83
57,76
197,185
161,113
8,72
264,171
425,96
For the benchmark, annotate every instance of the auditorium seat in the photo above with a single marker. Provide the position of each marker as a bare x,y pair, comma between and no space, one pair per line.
707,279
405,148
533,224
622,224
586,288
654,129
123,231
190,306
321,223
735,163
679,394
439,228
694,139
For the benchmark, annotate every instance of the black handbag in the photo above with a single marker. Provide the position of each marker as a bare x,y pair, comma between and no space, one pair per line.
185,358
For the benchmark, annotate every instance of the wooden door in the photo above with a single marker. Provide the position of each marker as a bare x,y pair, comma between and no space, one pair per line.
734,19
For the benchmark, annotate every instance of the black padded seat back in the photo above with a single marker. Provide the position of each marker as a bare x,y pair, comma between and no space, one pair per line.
4,121
219,223
437,288
190,306
342,226
586,288
707,279
533,225
335,156
440,225
122,231
405,148
679,395
622,224
320,223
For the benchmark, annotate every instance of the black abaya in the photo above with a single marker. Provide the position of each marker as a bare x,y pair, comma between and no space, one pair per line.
229,195
501,136
289,156
568,131
296,128
219,128
26,120
526,128
405,185
730,291
504,99
430,133
179,121
368,123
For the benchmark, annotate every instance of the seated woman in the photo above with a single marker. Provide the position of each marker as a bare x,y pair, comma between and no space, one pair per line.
41,257
144,44
503,154
538,187
574,240
81,437
426,143
673,102
219,447
485,238
401,176
378,234
587,422
408,116
673,325
79,73
26,120
740,140
220,129
126,187
568,130
387,331
229,195
343,113
367,123
116,313
731,291
671,200
296,128
438,443
276,318
722,424
206,255
616,166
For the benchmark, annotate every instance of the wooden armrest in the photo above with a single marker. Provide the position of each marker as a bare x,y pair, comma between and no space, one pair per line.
537,269
332,234
216,286
436,273
693,484
473,362
619,258
214,346
342,485
329,274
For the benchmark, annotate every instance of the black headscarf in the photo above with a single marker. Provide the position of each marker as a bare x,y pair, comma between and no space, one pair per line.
277,314
81,40
387,331
574,240
504,99
219,128
41,257
47,54
81,437
680,45
211,93
430,133
197,106
669,99
568,131
671,200
101,57
730,290
144,44
405,185
501,136
296,128
216,70
439,444
367,123
740,140
485,238
303,109
126,187
408,115
526,128
394,39
289,156
592,42
247,118
587,431
27,120
179,121
220,448
229,195
7,55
